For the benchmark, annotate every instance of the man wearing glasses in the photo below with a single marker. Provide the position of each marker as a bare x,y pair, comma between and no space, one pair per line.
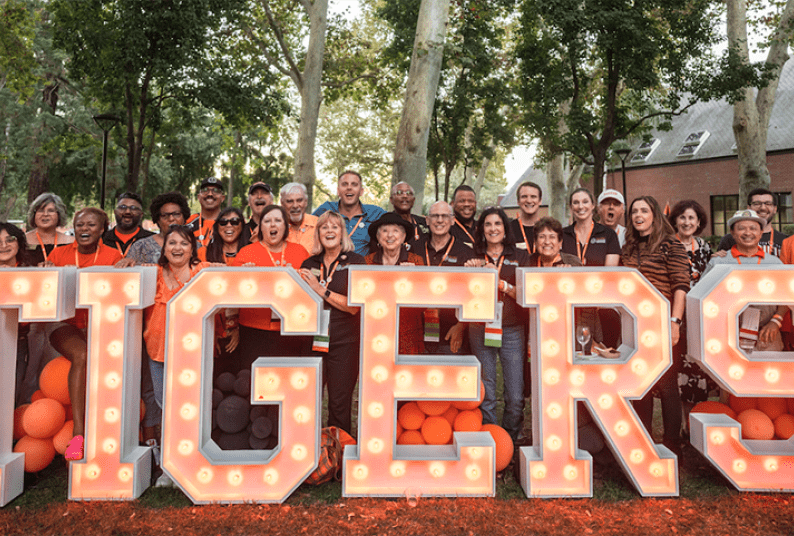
128,215
210,197
403,199
764,203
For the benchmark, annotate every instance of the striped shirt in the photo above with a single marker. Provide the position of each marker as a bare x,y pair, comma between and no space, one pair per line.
667,268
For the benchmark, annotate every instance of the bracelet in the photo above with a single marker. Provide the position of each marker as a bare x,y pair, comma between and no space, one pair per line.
776,321
778,317
676,320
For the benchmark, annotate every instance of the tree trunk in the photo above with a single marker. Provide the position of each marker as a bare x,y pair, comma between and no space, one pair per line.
311,97
558,200
410,153
751,114
39,181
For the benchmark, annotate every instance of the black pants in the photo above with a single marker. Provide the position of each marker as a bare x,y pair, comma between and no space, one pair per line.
340,374
255,343
667,389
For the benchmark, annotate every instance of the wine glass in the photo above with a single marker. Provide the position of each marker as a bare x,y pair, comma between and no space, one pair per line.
583,336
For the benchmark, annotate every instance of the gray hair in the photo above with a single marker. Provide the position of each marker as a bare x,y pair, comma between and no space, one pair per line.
45,199
291,188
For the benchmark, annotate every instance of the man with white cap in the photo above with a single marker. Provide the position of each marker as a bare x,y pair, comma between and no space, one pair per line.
766,320
611,207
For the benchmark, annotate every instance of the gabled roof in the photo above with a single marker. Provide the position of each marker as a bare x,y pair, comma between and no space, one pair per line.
533,174
716,118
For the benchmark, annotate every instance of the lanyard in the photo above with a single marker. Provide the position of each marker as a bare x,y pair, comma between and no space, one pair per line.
201,236
771,246
350,234
41,243
464,230
326,280
123,253
77,260
557,258
530,247
499,263
272,260
739,260
446,253
583,251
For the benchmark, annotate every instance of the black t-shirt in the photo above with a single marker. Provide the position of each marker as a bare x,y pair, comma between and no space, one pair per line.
510,259
111,239
343,326
777,238
463,232
603,241
248,229
453,253
414,242
529,231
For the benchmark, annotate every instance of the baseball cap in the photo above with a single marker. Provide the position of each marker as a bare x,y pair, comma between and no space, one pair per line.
609,193
212,181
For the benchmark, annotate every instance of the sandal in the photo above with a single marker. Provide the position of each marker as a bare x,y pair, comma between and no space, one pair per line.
74,451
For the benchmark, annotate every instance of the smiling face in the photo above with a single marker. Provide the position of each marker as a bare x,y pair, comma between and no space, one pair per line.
46,217
611,212
529,200
642,217
88,230
582,206
687,223
9,247
272,228
128,214
548,244
764,206
177,249
349,190
465,204
331,234
391,237
210,198
493,229
747,234
258,200
402,198
170,214
440,219
230,227
296,204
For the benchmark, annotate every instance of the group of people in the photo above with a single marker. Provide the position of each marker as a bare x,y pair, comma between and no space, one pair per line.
322,246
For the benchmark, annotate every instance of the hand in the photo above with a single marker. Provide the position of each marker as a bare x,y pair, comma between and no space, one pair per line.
474,263
721,253
47,264
234,340
769,333
126,262
312,280
455,337
675,332
407,264
249,264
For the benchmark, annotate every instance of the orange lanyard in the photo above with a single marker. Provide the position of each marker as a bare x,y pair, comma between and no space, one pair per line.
41,243
77,260
530,247
123,253
446,253
583,251
350,234
557,258
326,280
499,263
464,230
274,261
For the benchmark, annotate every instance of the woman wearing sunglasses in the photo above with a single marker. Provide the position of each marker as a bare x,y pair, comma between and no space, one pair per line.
227,237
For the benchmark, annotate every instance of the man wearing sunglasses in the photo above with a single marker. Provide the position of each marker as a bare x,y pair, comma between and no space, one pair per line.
128,214
764,203
211,196
260,195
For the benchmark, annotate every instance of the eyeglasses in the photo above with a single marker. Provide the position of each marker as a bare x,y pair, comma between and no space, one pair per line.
759,204
169,215
211,190
9,240
43,210
439,216
229,221
404,192
131,208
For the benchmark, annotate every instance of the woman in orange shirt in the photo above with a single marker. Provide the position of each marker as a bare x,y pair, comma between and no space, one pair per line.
178,263
70,338
260,332
227,238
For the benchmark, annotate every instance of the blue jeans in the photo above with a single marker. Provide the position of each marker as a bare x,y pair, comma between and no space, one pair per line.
512,354
157,369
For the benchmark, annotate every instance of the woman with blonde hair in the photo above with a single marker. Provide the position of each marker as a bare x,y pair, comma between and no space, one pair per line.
326,273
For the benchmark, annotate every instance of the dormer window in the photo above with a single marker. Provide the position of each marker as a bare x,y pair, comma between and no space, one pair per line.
645,150
693,143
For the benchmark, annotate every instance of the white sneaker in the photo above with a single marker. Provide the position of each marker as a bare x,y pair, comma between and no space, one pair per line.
164,481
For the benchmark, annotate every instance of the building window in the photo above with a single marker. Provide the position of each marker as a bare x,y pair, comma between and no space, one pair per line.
645,149
693,143
724,206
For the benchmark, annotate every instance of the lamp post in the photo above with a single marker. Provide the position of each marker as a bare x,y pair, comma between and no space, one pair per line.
623,154
106,122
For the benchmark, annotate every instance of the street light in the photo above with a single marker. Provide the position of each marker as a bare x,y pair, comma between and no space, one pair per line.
623,154
106,122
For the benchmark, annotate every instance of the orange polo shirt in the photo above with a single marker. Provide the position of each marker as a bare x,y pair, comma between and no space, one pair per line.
304,235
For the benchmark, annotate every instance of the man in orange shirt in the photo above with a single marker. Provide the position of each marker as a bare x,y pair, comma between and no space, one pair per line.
128,214
211,196
295,200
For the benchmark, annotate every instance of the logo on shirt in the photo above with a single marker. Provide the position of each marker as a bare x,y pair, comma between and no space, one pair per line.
598,241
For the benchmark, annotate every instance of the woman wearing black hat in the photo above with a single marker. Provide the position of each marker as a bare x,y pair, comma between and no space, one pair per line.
387,248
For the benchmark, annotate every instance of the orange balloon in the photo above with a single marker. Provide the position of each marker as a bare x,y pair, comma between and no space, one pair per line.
411,437
472,405
710,406
39,453
773,407
54,380
504,445
740,404
44,418
433,407
756,425
784,426
400,429
436,430
62,438
468,421
19,431
450,414
790,406
410,416
38,395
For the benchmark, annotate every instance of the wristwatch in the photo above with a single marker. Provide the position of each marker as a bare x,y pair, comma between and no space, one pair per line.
676,320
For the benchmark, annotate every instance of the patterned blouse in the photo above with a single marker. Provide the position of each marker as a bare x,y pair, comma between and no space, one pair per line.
699,255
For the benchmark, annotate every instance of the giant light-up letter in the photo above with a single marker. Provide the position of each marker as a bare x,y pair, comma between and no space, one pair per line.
555,467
